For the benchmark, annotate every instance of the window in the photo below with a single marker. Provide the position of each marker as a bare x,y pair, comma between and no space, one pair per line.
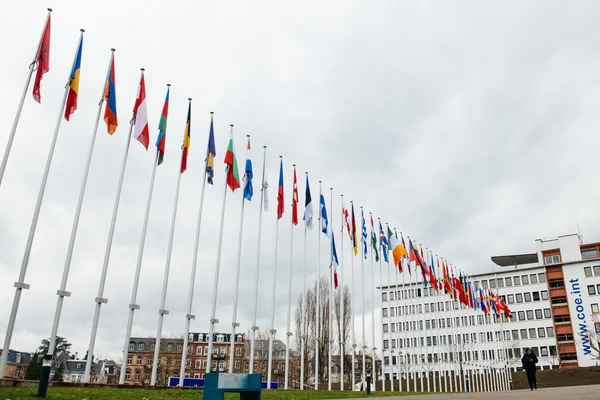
541,332
587,271
385,312
484,284
517,280
539,314
129,360
525,279
131,346
237,364
199,350
521,315
519,297
550,331
492,283
529,314
596,270
197,364
515,334
591,289
138,361
508,281
386,344
170,347
553,258
385,327
523,333
595,309
221,365
532,333
500,282
536,296
542,277
544,294
527,297
384,296
392,311
553,351
137,375
511,298
589,253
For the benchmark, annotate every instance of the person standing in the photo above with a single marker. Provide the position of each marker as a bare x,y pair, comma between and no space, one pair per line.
529,361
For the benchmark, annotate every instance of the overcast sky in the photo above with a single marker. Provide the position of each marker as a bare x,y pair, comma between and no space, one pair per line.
471,127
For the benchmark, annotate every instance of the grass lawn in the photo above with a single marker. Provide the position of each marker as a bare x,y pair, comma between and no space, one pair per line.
165,394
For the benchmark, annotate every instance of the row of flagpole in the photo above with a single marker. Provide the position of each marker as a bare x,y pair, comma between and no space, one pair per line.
139,122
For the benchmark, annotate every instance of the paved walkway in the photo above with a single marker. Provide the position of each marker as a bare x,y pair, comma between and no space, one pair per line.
591,392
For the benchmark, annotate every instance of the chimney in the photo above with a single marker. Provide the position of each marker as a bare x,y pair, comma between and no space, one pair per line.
77,355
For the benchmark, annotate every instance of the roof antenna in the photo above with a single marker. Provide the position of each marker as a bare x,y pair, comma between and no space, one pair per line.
578,230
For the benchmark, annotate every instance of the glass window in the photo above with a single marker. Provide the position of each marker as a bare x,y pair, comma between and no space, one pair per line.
544,294
544,351
484,284
500,282
547,313
492,283
527,297
533,278
587,271
521,315
511,298
553,351
517,281
515,334
519,297
384,296
596,269
385,312
536,296
523,333
532,333
542,277
508,281
595,309
525,279
591,289
541,332
539,314
529,314
586,254
385,327
550,331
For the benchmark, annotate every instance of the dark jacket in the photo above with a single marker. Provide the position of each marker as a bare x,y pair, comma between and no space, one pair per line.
529,361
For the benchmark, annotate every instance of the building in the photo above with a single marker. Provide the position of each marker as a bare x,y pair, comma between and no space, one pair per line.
16,364
102,371
141,355
261,359
553,294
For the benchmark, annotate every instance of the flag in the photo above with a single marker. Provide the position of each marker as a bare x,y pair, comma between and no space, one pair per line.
308,207
71,104
295,200
374,240
110,96
140,115
248,190
324,219
280,199
162,130
211,153
186,139
42,60
334,261
233,178
364,233
353,236
265,187
346,216
398,251
416,257
383,243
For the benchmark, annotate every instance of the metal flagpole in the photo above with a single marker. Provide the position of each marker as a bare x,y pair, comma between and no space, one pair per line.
264,186
13,130
402,354
389,320
318,293
234,323
289,312
213,318
341,316
303,310
421,360
20,284
331,286
397,312
362,265
162,311
352,333
374,348
381,311
189,316
62,293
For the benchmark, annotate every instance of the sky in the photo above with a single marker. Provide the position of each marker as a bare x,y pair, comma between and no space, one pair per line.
468,126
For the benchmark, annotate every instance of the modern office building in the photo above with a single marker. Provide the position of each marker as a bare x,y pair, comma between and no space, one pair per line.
553,294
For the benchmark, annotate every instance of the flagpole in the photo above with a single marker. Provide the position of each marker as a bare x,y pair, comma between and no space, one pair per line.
303,318
362,266
288,332
234,322
374,349
331,286
318,292
213,319
273,331
256,280
352,333
381,311
189,316
13,130
341,316
62,293
389,320
397,329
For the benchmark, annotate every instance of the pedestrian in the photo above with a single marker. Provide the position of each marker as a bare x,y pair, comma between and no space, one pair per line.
529,360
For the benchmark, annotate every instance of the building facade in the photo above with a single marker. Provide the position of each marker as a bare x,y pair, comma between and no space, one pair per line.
16,364
261,359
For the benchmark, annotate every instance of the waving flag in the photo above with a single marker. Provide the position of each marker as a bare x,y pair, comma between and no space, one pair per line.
295,200
383,243
374,240
233,177
346,216
42,60
110,96
308,207
334,261
211,153
398,251
280,204
324,220
185,148
71,104
248,190
162,129
140,115
353,236
364,233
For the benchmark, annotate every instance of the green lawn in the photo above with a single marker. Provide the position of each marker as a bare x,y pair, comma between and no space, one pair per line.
165,394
